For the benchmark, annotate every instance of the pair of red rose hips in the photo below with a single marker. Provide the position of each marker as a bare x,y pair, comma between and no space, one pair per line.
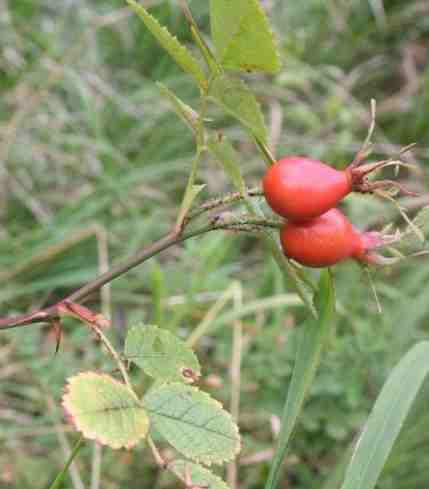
305,192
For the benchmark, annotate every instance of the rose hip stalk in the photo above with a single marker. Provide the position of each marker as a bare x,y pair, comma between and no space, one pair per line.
301,188
330,239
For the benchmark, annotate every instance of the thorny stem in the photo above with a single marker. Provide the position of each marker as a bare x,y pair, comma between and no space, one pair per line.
222,201
175,237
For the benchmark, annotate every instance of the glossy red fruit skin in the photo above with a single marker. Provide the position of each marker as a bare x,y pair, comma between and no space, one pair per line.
323,241
301,188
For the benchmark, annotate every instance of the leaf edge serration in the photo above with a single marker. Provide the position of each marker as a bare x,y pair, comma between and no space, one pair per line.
170,43
234,41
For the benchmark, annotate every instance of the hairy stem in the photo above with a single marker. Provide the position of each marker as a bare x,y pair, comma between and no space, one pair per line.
222,201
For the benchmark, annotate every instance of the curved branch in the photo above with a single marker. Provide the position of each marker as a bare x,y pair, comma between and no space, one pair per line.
52,313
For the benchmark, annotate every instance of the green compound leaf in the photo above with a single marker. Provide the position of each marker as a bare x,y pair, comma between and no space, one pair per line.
387,418
243,36
195,424
161,354
229,158
177,51
105,410
199,476
186,113
233,95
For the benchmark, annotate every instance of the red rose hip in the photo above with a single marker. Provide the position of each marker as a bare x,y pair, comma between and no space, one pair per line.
330,239
301,188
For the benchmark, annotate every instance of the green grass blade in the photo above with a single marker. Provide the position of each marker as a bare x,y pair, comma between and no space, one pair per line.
387,418
59,479
313,336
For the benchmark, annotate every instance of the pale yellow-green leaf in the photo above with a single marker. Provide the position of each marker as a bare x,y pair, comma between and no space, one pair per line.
177,51
195,424
234,96
224,152
186,113
105,410
191,191
160,354
199,476
243,37
191,194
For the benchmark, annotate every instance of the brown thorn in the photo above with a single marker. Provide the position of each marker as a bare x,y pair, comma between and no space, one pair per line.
58,331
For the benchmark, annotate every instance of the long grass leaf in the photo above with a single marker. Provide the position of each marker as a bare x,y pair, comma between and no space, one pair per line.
313,337
386,419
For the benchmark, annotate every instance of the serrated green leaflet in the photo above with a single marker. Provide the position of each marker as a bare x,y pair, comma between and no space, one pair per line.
161,354
313,337
199,476
105,410
229,158
195,424
243,36
177,51
387,418
233,95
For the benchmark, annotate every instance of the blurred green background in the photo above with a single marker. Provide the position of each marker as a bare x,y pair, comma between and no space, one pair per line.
91,158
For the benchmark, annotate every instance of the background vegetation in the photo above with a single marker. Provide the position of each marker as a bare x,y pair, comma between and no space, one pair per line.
92,159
